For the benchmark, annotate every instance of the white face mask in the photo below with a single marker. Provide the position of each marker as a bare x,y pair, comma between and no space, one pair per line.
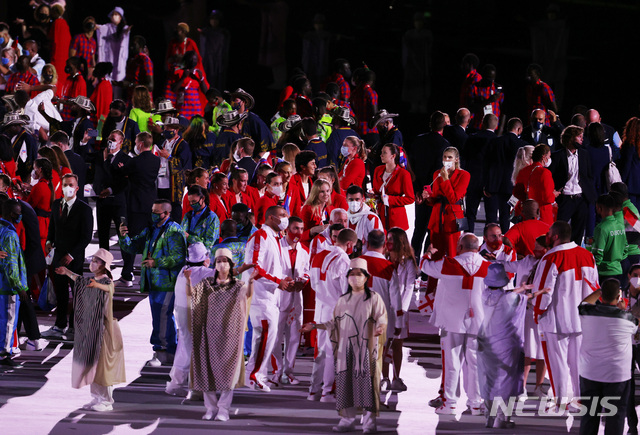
93,267
223,267
344,151
357,281
112,145
354,206
547,163
34,179
282,194
284,223
68,191
136,150
447,165
277,190
236,156
635,282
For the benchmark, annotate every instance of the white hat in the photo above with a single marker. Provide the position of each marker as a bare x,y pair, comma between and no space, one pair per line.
496,276
224,252
359,263
197,253
105,256
84,102
165,106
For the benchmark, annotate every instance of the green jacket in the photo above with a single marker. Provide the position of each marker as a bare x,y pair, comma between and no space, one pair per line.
169,253
206,230
609,246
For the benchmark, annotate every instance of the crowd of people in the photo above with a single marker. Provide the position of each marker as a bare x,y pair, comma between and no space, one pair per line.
258,237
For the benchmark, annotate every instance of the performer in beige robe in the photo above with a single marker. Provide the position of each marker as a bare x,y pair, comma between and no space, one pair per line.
98,357
219,313
357,333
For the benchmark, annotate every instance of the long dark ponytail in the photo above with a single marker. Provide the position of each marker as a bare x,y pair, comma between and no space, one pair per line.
46,168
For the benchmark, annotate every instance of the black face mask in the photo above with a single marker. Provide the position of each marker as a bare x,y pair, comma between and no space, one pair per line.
43,17
47,77
89,26
67,69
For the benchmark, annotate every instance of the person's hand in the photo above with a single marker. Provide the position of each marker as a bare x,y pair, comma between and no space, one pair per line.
431,251
379,331
155,128
66,260
41,108
187,274
444,173
47,248
487,194
318,229
307,327
61,270
244,267
523,288
553,117
556,193
164,154
23,296
286,283
149,262
123,230
22,86
92,283
105,193
397,331
3,254
86,138
489,256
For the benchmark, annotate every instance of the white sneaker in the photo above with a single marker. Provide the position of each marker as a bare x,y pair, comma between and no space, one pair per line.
15,352
256,385
210,413
384,384
90,405
101,407
398,385
344,428
523,397
539,393
154,362
223,415
477,410
37,345
289,379
328,398
314,397
446,409
176,390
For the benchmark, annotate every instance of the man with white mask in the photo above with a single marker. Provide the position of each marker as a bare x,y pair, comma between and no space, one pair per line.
263,251
361,219
70,232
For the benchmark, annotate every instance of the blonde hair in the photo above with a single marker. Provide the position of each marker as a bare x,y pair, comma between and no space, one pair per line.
359,144
313,200
523,158
289,153
141,99
54,80
455,152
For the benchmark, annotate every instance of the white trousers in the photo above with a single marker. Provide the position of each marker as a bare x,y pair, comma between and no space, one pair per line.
264,321
101,394
561,353
460,352
211,401
182,360
368,421
323,372
291,335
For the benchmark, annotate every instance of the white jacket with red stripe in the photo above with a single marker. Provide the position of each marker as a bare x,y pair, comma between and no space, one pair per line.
301,270
320,242
503,254
458,305
329,280
381,271
363,223
570,272
263,250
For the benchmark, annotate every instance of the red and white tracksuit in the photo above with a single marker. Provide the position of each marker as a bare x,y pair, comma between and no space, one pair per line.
363,222
381,271
263,250
329,280
571,274
458,312
503,254
295,264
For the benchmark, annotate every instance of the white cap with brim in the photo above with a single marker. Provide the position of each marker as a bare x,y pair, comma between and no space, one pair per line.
197,253
496,276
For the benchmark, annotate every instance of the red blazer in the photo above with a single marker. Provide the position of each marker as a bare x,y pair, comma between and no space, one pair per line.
352,172
57,183
453,190
267,200
541,187
296,192
400,191
312,218
40,200
338,200
101,97
250,197
219,207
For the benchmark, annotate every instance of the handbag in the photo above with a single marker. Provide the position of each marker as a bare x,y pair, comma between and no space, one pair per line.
612,174
461,223
47,300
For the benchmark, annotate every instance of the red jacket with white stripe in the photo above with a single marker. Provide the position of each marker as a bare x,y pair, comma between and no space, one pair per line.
570,272
458,305
301,270
381,271
263,250
329,280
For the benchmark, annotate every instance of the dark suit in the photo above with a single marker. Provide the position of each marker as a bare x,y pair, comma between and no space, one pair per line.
573,208
142,172
79,167
129,128
70,235
114,206
498,168
548,135
456,135
473,162
249,165
425,158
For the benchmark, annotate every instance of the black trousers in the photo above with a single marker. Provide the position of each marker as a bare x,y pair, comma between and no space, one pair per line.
61,285
108,211
498,203
27,317
472,202
574,209
423,214
632,416
594,390
137,223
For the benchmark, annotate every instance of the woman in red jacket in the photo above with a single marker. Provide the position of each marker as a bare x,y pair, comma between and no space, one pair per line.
49,154
198,176
273,195
338,200
535,182
449,188
42,196
352,170
74,86
393,188
316,210
301,182
219,187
